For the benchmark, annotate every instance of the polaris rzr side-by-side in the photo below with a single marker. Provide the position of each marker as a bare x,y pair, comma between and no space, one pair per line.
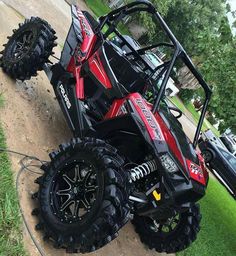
129,158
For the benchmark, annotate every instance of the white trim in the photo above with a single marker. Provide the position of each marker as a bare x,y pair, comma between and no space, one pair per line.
221,179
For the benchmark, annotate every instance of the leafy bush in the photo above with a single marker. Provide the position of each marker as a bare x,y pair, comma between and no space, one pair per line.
186,95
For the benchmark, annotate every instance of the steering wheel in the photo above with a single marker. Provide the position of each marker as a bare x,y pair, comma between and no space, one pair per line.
176,110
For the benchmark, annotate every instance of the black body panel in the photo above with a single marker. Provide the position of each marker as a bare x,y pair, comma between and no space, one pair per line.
73,109
183,141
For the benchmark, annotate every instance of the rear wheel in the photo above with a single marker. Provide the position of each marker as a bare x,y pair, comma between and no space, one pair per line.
82,196
28,49
171,235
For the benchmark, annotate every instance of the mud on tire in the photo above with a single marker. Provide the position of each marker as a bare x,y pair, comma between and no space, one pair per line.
109,209
28,49
160,238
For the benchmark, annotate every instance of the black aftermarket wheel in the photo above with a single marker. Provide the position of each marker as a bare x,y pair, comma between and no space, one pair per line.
82,196
171,235
28,49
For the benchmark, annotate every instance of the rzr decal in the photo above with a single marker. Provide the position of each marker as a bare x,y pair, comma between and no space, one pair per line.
89,38
149,118
85,27
147,114
84,24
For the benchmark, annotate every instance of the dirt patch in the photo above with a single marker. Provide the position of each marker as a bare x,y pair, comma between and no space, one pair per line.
34,123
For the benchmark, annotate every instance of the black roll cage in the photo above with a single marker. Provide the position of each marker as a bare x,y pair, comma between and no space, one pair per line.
115,16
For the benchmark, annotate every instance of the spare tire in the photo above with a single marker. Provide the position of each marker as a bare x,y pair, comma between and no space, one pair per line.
28,49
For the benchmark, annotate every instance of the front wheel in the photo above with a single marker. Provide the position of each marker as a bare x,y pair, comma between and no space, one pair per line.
82,196
171,235
28,49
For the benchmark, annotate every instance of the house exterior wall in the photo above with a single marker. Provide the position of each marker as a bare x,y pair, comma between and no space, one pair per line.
115,3
187,79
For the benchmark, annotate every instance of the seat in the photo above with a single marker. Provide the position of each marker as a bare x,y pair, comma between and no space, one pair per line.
125,72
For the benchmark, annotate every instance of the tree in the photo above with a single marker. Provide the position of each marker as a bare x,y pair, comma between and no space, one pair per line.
202,27
234,24
186,95
225,33
190,20
219,68
146,20
223,102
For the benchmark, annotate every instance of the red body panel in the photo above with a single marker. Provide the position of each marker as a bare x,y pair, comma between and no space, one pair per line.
196,172
143,108
147,117
170,140
115,109
79,83
203,166
98,71
89,37
157,121
143,111
89,40
86,54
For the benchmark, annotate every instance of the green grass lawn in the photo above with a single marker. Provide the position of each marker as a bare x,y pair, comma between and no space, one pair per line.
206,124
10,224
177,103
99,9
196,115
218,227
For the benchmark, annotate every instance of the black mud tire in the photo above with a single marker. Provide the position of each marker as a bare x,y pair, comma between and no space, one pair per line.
177,240
28,49
109,212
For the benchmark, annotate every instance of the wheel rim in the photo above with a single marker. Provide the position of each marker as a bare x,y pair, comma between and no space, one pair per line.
22,45
207,156
164,227
74,192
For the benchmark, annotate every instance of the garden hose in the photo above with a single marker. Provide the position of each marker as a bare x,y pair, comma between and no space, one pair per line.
26,167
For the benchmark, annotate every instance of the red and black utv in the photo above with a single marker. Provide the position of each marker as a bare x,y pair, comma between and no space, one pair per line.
129,158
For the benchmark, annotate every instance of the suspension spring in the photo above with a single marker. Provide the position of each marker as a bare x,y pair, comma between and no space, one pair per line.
142,170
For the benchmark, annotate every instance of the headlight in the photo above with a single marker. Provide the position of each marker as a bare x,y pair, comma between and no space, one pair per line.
169,163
